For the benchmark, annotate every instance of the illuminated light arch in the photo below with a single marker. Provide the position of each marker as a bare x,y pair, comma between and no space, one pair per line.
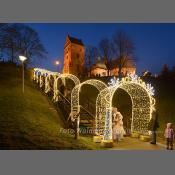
41,82
61,76
36,74
39,74
48,77
102,103
141,96
75,107
143,103
47,82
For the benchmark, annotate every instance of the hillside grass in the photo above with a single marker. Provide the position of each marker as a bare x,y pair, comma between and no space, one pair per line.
29,120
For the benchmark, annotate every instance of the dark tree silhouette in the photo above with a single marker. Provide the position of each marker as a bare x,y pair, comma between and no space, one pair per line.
173,73
123,49
90,57
9,37
21,39
3,26
9,41
106,52
30,44
165,72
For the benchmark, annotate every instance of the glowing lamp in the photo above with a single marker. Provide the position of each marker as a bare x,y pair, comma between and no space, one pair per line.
22,58
57,62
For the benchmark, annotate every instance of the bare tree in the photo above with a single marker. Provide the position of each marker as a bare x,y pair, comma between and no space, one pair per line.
22,39
173,72
3,25
90,57
8,36
106,52
29,43
123,49
165,72
9,40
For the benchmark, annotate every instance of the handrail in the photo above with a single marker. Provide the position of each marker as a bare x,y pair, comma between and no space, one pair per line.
64,97
87,111
80,105
70,103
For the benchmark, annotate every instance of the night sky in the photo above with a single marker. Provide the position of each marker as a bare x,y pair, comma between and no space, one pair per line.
155,43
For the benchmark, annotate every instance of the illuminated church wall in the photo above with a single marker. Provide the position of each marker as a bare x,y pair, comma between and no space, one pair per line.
74,61
113,72
99,71
74,56
125,70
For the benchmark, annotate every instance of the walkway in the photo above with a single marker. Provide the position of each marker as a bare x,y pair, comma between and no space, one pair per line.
129,143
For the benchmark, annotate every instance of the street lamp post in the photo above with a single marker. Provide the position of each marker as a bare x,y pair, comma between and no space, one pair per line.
22,59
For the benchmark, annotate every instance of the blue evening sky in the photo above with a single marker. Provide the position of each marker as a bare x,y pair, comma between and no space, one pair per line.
155,43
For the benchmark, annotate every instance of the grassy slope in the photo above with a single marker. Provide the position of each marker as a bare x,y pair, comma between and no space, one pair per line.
29,120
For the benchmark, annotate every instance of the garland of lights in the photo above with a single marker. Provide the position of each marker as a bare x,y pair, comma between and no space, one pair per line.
143,103
102,104
141,94
47,83
41,81
56,91
75,107
41,75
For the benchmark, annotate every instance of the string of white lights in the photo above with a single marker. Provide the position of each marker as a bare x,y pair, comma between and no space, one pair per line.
141,94
143,103
75,107
62,76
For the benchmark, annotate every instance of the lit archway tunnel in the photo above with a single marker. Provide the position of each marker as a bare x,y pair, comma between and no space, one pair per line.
75,97
142,105
60,85
122,101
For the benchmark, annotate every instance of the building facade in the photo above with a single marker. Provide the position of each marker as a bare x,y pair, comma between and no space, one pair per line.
74,61
100,69
127,68
74,56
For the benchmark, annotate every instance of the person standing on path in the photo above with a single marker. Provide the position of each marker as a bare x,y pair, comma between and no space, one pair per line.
118,130
169,135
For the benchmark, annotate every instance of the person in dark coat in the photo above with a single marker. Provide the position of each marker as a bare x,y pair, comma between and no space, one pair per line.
153,126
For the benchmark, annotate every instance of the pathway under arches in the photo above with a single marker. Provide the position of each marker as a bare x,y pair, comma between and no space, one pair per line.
141,95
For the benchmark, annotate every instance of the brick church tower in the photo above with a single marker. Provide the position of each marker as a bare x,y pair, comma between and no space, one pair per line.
74,56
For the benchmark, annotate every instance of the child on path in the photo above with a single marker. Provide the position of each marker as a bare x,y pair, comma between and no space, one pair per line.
169,135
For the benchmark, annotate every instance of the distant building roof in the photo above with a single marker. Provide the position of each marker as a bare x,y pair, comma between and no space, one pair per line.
99,64
75,40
